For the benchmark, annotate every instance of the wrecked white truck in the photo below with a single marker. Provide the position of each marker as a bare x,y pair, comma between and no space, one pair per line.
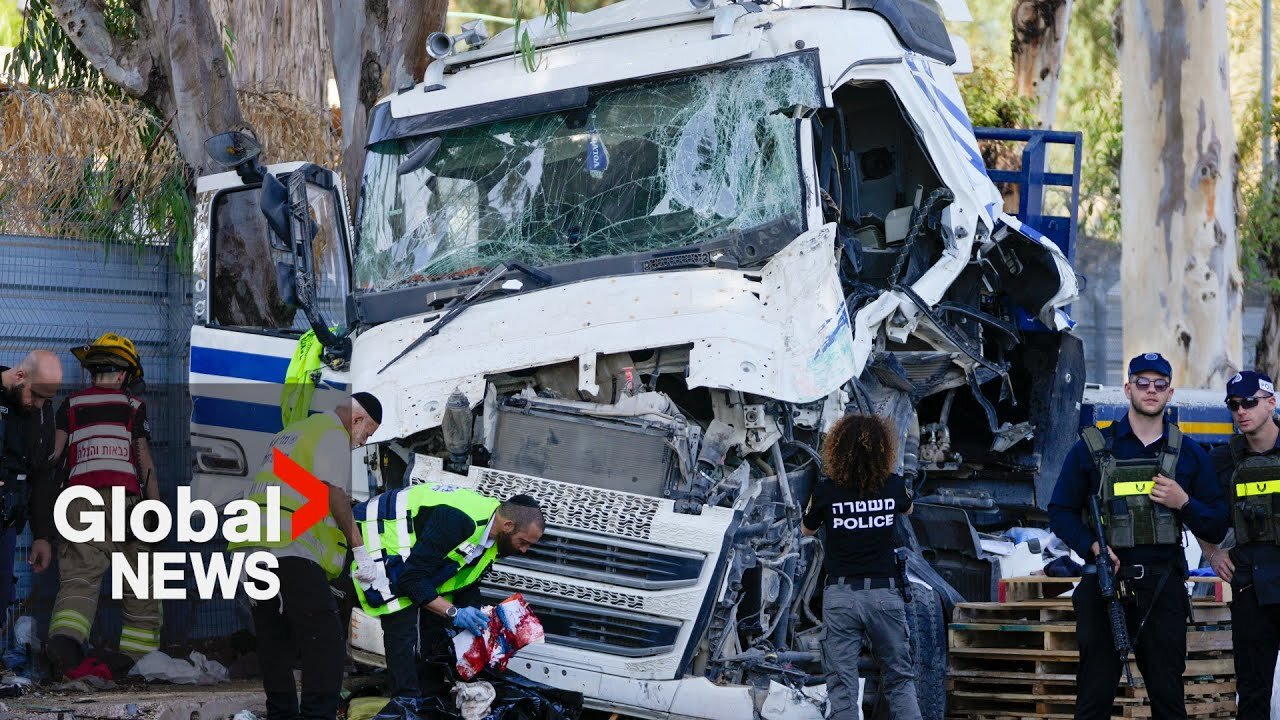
638,283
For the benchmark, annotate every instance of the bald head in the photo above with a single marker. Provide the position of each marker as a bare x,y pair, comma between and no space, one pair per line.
35,380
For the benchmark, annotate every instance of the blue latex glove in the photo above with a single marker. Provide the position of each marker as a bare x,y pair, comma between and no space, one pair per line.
471,618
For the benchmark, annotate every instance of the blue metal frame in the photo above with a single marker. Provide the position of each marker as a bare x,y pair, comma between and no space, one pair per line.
1032,180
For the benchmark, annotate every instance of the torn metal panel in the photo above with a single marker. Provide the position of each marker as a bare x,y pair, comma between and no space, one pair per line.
782,333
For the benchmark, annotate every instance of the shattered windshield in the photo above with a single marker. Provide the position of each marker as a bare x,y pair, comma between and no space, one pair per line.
647,166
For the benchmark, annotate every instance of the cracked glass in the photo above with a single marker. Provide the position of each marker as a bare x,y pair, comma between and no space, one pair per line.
646,166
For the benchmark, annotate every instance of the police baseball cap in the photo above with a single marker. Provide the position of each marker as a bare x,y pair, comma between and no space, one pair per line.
1151,362
1247,382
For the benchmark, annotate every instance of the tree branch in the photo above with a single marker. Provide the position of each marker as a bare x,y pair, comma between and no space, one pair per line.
125,63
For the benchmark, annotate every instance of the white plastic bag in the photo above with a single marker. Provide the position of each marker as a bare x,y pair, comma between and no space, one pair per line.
198,671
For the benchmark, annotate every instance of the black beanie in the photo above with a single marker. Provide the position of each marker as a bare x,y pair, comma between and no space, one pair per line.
370,404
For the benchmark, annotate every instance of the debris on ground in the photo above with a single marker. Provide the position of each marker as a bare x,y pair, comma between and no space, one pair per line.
365,708
515,697
512,625
84,684
196,670
247,715
473,699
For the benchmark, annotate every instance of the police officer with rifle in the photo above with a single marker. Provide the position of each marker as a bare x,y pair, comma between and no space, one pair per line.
26,444
1248,467
1147,480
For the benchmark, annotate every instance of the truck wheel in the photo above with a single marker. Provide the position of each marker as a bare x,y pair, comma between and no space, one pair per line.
929,651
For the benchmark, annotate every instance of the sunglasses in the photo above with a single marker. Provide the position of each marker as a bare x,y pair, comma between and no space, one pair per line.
1160,384
1249,403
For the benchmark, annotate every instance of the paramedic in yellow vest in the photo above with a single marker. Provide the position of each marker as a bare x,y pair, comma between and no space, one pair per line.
451,537
302,625
103,431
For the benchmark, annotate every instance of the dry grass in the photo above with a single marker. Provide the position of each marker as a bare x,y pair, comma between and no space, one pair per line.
72,161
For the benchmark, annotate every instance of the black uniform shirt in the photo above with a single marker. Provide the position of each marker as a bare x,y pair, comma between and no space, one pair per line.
1206,516
859,531
1256,564
28,444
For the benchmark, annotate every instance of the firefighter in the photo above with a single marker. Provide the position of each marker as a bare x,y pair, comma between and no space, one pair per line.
1248,468
1149,480
430,545
856,504
302,622
104,433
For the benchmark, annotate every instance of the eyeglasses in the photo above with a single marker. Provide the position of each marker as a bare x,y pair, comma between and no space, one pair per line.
1249,403
1160,384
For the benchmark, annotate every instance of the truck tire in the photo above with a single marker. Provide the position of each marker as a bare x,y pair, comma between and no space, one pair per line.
929,651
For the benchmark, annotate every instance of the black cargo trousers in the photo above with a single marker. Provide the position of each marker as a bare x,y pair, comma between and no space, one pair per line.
1255,641
1161,649
301,627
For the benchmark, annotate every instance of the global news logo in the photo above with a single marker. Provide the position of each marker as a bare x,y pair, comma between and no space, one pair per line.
163,575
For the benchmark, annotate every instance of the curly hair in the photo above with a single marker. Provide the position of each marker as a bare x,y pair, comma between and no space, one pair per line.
859,453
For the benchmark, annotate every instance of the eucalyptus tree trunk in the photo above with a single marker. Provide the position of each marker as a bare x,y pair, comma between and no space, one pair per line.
278,45
1039,40
378,47
175,64
1179,255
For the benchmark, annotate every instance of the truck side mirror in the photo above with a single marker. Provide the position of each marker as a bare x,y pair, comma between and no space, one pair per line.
287,283
274,202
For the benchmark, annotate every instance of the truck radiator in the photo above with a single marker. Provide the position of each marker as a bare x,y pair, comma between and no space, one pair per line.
583,450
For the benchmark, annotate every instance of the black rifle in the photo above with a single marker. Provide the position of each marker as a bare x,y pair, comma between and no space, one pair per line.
1107,585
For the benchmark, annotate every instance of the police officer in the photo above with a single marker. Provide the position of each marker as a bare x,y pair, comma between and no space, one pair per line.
1248,467
26,447
856,504
430,546
1149,480
302,622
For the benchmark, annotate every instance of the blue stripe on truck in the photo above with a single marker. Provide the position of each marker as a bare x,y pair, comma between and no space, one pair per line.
234,414
243,365
247,366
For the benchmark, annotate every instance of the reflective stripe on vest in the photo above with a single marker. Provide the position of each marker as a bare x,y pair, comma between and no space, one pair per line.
100,439
386,524
1267,487
1121,489
324,541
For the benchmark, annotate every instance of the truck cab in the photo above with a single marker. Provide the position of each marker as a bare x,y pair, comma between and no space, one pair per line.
639,283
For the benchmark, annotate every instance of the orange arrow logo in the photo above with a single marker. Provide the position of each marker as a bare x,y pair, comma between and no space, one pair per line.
314,490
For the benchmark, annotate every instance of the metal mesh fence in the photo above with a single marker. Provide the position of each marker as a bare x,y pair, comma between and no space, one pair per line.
59,293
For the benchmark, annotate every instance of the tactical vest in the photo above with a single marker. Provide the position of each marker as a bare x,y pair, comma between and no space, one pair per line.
386,523
1129,514
100,424
1255,494
324,541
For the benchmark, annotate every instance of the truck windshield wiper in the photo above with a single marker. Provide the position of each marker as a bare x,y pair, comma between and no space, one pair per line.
456,307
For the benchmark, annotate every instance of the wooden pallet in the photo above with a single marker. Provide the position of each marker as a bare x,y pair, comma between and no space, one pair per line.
1018,658
1042,587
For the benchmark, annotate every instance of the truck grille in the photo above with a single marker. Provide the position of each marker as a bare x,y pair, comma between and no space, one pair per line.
576,506
608,560
615,632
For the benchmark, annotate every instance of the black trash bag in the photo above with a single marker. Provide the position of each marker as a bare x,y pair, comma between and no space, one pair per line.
518,698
